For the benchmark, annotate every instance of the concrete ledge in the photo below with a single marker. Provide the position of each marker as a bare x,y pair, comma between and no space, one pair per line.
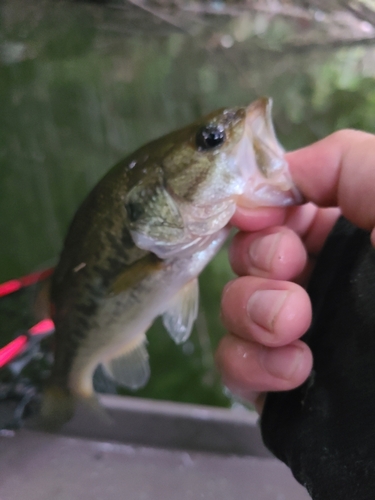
172,425
152,450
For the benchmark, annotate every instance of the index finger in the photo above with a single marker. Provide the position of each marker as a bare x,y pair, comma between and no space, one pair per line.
339,171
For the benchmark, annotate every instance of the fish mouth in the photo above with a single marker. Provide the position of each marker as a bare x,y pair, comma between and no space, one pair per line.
266,172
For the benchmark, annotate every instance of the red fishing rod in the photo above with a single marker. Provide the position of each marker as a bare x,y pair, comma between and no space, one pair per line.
18,346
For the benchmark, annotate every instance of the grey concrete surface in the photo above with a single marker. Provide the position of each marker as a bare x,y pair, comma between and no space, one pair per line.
103,465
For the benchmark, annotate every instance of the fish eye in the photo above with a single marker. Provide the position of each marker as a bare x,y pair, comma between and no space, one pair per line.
210,136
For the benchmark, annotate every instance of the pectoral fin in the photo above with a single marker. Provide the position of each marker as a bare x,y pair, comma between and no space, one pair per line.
131,369
132,275
182,312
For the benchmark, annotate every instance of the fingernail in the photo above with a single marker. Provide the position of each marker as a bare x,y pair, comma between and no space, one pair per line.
281,362
264,306
262,250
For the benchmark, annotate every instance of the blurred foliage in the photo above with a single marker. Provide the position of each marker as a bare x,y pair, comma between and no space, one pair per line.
83,85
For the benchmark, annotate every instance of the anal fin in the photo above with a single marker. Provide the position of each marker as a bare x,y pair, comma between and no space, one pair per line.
131,369
182,312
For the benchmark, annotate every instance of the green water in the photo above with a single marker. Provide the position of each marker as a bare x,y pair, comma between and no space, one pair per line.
83,86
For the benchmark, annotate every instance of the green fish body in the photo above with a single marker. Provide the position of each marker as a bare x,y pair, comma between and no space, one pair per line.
140,239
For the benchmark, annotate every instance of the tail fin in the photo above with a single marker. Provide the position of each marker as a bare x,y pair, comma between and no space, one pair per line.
57,408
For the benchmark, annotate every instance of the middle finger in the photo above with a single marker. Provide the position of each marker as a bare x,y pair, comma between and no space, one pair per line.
270,312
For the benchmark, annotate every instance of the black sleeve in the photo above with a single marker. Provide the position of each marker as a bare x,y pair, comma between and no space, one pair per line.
325,429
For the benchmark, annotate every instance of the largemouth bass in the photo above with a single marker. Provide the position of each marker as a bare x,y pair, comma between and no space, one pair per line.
142,236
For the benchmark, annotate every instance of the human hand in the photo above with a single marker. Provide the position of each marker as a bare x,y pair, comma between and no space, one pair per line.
267,310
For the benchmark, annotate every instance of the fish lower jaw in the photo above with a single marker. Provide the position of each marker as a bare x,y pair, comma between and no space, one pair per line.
263,193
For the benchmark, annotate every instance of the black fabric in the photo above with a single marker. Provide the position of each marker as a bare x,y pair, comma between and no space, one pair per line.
325,429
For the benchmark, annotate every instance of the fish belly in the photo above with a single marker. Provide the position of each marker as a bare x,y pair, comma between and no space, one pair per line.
122,319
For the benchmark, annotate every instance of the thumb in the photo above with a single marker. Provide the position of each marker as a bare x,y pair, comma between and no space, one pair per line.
339,171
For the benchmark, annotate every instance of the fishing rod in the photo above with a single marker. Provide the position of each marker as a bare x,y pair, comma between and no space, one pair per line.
40,330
